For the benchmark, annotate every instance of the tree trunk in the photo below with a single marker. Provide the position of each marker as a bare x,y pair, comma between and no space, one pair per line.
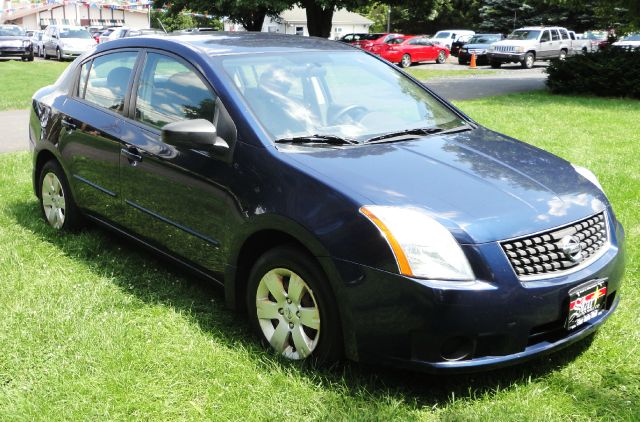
318,19
253,22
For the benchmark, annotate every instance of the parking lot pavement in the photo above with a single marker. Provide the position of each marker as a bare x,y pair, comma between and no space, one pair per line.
14,135
472,88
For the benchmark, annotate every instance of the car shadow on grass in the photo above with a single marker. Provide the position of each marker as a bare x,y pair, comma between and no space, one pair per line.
155,281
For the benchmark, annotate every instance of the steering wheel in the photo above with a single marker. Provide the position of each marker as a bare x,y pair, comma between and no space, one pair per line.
355,111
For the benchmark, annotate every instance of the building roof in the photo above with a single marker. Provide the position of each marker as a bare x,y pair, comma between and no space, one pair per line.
340,17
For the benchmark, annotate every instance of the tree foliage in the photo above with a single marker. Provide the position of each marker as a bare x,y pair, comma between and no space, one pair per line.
174,21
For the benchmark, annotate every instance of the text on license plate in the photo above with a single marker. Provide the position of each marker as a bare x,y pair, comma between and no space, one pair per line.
586,301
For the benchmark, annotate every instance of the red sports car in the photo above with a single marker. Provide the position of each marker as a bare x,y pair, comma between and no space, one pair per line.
377,41
411,49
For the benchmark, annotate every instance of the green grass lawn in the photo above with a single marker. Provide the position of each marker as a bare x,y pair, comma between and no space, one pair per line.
20,80
464,72
93,328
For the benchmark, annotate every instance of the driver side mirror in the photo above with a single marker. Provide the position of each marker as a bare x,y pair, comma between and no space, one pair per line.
197,134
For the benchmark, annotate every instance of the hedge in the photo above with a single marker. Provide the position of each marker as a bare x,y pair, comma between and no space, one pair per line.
613,72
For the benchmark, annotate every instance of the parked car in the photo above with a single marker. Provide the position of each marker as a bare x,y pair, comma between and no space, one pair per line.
15,43
140,32
599,39
355,38
195,30
376,41
447,37
478,45
66,42
411,49
106,33
349,215
578,45
628,42
457,44
37,43
526,45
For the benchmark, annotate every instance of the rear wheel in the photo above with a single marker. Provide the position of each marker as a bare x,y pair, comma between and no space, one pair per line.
495,65
527,62
563,54
58,54
442,57
56,202
405,61
291,307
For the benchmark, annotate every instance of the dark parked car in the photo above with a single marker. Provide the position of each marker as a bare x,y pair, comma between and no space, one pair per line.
14,42
478,45
345,206
457,44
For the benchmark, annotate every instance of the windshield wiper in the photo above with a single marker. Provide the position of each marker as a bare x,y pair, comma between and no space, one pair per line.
317,139
418,131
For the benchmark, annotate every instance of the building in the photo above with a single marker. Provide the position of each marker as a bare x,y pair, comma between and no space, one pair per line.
37,16
294,21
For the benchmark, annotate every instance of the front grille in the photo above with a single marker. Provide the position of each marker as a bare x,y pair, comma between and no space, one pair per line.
505,48
543,254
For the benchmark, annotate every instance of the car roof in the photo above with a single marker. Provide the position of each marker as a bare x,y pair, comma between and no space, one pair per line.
230,43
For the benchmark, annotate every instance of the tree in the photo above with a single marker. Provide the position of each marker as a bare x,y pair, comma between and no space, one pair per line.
175,21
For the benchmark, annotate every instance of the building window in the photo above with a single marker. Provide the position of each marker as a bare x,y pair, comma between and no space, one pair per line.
299,30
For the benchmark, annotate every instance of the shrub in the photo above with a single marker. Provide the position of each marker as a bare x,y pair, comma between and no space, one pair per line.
610,73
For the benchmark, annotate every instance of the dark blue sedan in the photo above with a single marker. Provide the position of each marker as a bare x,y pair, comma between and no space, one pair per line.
347,208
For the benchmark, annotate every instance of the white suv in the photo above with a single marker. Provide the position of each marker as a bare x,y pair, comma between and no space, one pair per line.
528,44
446,37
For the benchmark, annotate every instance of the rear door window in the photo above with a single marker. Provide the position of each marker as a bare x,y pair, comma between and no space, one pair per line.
108,80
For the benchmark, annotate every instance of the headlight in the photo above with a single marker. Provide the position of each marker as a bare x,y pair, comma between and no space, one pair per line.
519,50
422,247
483,51
492,47
464,50
25,43
588,174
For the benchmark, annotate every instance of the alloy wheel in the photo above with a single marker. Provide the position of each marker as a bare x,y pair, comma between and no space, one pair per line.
288,313
406,60
53,200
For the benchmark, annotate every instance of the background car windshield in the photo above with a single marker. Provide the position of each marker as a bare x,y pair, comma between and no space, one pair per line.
346,94
442,35
524,35
595,35
11,31
484,39
75,33
371,37
632,37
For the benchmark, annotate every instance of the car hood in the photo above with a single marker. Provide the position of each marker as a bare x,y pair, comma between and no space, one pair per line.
14,38
631,43
481,185
516,43
479,46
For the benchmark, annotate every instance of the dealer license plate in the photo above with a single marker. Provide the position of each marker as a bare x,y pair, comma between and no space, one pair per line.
586,302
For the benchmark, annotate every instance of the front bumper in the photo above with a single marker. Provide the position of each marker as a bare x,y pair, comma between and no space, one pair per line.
466,56
495,321
15,51
71,54
506,57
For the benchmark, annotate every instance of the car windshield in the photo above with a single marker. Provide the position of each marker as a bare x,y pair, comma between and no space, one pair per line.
632,37
340,94
442,35
11,31
524,34
484,39
74,33
371,37
595,35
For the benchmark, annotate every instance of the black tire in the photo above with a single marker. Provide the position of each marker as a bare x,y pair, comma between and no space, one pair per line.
30,57
328,345
44,53
72,215
563,54
58,54
495,65
442,57
527,61
405,61
462,61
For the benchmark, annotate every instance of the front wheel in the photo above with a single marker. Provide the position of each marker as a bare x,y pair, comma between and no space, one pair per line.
291,307
442,57
56,202
527,62
405,61
563,54
495,65
58,54
461,61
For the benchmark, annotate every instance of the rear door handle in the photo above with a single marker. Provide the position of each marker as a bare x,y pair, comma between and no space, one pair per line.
132,154
68,124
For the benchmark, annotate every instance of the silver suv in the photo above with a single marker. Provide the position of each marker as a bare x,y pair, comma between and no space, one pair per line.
66,42
526,45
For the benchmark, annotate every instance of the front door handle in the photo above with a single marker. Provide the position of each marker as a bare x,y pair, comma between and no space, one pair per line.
132,154
68,124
